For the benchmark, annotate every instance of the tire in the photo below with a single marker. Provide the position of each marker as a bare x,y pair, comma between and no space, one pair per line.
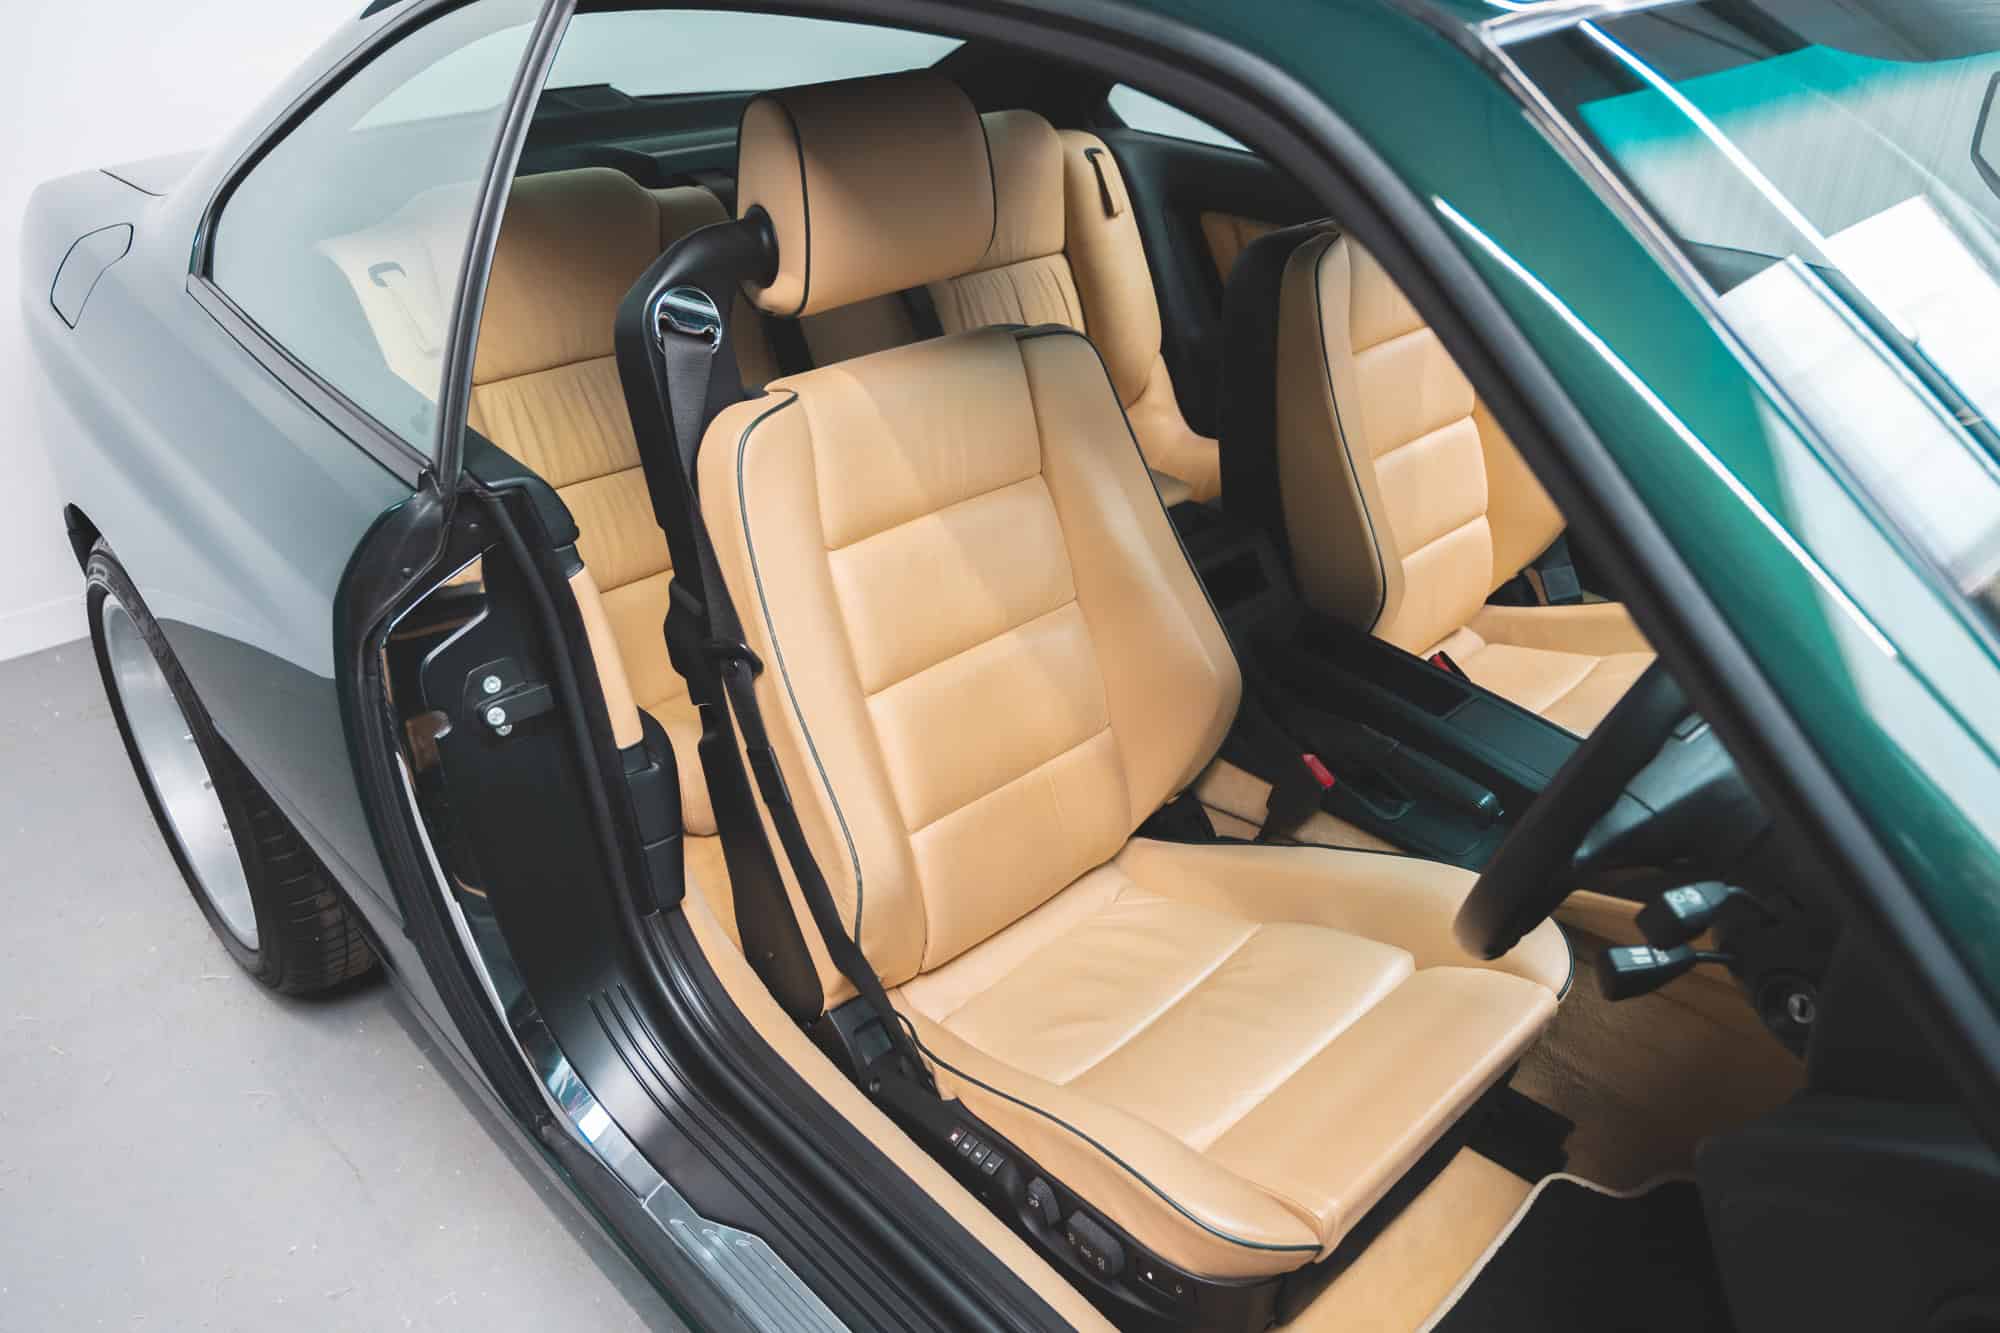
264,892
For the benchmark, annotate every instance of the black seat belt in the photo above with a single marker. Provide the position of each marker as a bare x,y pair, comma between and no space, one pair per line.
705,644
1260,743
922,310
1557,571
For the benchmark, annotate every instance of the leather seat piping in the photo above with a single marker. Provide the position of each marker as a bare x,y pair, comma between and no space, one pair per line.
1122,1164
778,650
1028,333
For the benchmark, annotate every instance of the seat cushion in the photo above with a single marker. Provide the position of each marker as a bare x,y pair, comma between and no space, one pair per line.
1570,664
1234,1050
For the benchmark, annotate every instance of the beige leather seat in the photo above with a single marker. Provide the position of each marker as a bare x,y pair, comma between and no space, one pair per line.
1065,250
1403,503
987,662
546,390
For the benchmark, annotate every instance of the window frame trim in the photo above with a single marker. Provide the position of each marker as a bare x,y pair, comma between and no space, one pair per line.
388,447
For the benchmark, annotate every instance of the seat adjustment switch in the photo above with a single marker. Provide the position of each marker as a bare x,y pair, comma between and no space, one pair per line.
1042,1198
1097,1248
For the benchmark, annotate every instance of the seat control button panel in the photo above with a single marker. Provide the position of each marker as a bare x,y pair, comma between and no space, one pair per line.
1096,1247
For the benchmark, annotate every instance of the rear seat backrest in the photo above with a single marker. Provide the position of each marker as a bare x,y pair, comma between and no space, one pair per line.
546,390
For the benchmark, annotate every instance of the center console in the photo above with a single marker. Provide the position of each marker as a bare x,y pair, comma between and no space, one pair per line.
1417,754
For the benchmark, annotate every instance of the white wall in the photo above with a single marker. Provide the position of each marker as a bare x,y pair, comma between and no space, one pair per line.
90,83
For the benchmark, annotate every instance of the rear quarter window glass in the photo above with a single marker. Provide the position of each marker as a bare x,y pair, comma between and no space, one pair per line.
346,240
1142,111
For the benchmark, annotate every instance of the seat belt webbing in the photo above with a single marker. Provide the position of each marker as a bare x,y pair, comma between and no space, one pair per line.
1557,571
705,641
922,310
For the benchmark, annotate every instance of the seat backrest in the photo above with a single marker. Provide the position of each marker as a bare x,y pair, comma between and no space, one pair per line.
987,657
546,390
1350,431
1065,250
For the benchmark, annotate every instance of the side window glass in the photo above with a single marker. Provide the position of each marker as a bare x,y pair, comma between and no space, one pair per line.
345,241
1141,111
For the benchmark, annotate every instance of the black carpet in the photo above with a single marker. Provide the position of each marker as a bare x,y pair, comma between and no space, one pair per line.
1581,1261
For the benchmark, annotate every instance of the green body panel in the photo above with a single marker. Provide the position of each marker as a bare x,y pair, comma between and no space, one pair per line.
1881,662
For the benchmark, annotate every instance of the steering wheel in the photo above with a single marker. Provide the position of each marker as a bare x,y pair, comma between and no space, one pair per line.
1532,872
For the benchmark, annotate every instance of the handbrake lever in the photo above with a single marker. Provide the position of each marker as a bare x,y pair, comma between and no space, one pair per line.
1363,752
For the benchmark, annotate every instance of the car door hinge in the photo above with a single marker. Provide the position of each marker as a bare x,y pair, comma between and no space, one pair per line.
501,697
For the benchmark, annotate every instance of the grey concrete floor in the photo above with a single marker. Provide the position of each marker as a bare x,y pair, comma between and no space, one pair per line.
181,1149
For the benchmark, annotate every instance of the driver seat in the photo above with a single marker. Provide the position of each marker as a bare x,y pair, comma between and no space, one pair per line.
986,663
1356,442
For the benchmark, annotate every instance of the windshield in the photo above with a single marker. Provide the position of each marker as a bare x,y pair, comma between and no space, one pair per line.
1831,168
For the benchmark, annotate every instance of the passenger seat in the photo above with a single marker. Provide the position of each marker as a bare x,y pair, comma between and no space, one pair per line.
1065,250
987,661
1353,438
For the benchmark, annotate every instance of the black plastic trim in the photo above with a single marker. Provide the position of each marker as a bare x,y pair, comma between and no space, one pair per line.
768,1089
469,302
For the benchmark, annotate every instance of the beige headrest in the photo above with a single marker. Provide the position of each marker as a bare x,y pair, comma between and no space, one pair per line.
873,185
1028,178
571,244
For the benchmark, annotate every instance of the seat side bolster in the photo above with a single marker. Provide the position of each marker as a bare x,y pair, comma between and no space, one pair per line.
1343,553
760,502
1523,518
625,729
1214,1223
1158,642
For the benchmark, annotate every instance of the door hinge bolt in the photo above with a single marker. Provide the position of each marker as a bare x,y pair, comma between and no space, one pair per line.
496,715
504,729
491,685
